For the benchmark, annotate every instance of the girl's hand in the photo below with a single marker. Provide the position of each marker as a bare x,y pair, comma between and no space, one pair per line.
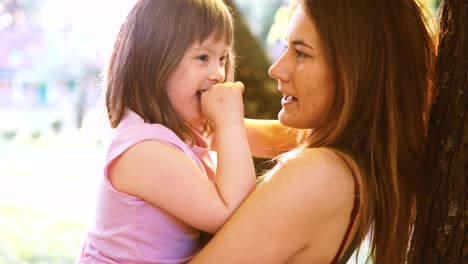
222,103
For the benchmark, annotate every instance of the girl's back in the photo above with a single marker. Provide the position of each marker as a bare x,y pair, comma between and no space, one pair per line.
130,229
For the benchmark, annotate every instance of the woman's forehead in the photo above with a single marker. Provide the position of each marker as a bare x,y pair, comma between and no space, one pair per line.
301,27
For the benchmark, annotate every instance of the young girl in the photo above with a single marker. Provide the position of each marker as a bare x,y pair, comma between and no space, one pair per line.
160,186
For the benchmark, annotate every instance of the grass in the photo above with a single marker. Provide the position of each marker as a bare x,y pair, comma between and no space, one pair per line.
47,194
36,236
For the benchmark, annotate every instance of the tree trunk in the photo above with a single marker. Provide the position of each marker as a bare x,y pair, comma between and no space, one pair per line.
440,234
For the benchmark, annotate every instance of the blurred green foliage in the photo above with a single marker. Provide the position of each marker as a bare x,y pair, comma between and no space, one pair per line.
36,237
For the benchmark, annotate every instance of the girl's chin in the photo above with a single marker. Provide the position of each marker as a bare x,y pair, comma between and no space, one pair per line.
200,121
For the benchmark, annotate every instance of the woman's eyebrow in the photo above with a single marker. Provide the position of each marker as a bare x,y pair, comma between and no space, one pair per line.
302,43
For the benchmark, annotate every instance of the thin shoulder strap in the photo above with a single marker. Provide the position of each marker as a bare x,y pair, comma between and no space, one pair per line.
353,212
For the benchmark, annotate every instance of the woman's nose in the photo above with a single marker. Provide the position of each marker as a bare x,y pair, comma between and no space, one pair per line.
279,69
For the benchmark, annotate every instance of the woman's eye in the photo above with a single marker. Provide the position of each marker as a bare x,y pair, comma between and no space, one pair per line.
300,54
203,57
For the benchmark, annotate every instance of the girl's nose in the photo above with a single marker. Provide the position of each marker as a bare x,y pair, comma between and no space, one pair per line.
218,74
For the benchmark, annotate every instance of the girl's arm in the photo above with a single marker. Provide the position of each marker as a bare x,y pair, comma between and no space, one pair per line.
299,215
170,180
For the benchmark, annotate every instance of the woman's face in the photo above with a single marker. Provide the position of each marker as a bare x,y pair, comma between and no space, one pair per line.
303,74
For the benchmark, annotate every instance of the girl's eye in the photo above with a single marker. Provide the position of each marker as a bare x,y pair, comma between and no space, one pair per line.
223,58
203,57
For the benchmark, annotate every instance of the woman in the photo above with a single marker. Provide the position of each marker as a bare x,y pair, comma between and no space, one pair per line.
355,76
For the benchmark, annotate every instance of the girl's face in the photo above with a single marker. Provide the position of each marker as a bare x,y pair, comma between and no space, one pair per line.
202,66
304,76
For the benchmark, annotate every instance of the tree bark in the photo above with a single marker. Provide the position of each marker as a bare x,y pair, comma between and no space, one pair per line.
440,233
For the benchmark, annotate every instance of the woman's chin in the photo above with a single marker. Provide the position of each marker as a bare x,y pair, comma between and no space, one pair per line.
283,119
292,121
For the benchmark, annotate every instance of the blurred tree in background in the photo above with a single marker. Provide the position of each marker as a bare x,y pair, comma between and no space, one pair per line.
262,99
260,16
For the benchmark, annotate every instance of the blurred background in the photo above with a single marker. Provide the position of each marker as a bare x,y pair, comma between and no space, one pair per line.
53,129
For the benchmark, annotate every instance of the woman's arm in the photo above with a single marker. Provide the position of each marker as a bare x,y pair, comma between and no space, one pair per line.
297,215
170,180
269,138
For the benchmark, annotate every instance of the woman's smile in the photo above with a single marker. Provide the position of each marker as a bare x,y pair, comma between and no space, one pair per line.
288,99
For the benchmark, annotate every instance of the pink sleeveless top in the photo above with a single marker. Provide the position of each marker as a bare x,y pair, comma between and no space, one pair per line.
127,229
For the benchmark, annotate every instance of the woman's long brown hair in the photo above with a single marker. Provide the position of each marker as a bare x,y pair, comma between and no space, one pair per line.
382,55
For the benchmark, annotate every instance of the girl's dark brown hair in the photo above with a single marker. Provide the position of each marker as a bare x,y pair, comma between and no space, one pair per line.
382,56
150,44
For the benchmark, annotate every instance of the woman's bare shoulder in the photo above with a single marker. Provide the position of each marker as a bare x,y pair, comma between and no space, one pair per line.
314,163
315,191
320,175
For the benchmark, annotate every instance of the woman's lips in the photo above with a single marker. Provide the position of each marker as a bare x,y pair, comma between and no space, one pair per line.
288,99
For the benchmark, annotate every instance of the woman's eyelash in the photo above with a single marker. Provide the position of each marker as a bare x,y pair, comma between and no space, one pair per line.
300,54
